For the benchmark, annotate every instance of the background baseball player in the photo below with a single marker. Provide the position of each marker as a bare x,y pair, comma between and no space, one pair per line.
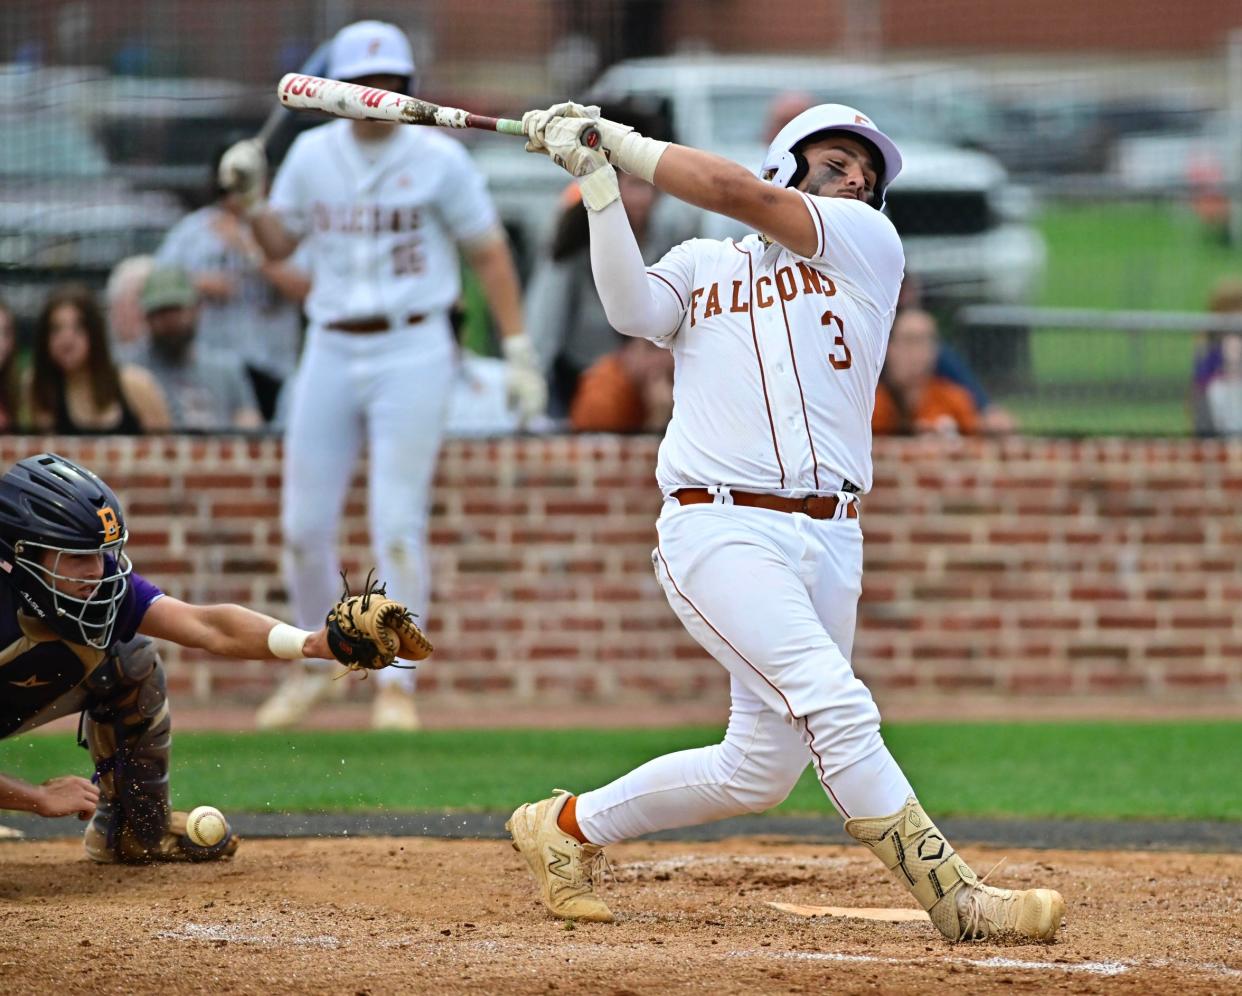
778,340
75,623
382,210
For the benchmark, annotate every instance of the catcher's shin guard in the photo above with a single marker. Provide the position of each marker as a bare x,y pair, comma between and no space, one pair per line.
962,908
128,729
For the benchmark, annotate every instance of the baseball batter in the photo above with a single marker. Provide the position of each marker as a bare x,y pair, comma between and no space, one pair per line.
778,340
382,210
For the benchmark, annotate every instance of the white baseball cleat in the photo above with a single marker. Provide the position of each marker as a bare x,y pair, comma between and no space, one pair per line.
564,868
294,697
394,709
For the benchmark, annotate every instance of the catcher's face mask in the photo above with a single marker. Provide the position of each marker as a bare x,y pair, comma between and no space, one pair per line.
79,591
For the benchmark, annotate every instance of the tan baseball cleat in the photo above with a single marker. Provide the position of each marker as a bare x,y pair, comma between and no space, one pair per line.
301,690
394,709
959,904
564,868
986,911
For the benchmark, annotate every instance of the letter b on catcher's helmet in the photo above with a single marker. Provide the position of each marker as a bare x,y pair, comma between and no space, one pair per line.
784,166
51,508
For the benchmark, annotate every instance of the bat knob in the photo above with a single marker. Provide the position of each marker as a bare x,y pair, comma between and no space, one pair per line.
590,137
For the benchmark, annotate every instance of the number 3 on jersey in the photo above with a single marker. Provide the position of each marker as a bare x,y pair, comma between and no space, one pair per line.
839,360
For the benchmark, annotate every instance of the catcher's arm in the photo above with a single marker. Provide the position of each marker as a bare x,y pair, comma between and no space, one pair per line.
229,631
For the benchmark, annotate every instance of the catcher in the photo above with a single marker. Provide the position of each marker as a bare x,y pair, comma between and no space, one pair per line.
76,629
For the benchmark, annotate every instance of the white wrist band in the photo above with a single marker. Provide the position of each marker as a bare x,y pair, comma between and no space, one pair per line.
599,188
638,155
286,642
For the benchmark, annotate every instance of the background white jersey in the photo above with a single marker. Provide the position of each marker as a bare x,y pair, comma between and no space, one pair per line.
380,220
778,356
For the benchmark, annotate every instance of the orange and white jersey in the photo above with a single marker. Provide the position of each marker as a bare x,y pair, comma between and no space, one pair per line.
777,356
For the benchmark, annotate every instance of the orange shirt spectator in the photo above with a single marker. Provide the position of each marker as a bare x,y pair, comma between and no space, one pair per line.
942,406
911,399
630,390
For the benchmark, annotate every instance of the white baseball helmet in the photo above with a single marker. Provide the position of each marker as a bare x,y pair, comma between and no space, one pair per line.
784,167
370,48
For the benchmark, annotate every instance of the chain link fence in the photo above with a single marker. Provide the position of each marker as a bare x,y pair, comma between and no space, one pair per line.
1087,161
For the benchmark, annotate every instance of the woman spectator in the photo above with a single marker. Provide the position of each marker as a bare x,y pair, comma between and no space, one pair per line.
74,388
911,398
1209,361
8,369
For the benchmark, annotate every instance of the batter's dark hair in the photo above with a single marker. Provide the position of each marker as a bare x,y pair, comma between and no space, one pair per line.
48,380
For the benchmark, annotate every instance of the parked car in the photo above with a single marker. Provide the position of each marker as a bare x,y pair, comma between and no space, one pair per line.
965,226
64,213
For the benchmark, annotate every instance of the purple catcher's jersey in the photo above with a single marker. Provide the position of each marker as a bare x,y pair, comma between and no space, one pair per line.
33,673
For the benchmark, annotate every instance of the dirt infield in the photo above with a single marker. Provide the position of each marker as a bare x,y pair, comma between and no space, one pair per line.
428,915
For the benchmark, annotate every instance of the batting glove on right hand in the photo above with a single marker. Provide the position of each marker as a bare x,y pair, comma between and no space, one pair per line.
243,171
562,139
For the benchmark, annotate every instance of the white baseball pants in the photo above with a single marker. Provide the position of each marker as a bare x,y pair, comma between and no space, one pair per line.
773,596
391,390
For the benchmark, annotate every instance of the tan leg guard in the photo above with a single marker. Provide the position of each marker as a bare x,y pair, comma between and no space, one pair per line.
128,730
917,853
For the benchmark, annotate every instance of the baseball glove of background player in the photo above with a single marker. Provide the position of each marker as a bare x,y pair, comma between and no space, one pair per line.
369,631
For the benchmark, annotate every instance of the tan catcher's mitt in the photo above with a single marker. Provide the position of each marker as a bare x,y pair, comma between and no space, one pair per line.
369,631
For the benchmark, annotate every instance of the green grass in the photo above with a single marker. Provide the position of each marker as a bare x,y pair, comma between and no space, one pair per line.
1156,257
1093,770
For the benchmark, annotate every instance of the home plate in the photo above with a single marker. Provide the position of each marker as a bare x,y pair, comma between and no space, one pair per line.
853,912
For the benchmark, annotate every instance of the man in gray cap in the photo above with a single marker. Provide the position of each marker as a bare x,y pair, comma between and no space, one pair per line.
206,392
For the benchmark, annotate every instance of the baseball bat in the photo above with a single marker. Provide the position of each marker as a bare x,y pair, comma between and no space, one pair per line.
316,62
367,103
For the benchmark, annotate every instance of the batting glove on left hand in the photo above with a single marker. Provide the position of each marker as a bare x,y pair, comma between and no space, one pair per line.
596,178
243,171
524,384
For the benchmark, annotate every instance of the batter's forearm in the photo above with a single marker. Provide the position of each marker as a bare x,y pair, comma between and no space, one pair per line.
270,232
493,263
716,184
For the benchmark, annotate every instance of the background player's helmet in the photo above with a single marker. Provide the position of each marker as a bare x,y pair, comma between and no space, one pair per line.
784,166
371,48
48,503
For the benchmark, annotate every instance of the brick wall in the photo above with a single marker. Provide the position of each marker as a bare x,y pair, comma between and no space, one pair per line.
1030,566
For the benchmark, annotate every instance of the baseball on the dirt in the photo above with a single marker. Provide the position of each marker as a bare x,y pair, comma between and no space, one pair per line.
206,826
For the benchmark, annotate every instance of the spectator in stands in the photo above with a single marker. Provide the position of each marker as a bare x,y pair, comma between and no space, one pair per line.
206,391
563,313
629,390
994,419
1226,299
911,398
8,369
1224,390
249,307
74,387
127,327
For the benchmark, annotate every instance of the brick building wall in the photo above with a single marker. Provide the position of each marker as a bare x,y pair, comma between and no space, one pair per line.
1029,566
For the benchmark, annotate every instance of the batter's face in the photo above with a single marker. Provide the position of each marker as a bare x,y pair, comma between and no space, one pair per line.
839,166
374,131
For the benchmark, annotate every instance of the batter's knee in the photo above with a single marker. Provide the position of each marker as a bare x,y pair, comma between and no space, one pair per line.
765,775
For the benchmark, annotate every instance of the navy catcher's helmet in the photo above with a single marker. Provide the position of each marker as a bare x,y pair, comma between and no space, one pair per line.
51,508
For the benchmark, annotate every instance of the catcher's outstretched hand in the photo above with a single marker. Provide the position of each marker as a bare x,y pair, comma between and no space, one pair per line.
369,631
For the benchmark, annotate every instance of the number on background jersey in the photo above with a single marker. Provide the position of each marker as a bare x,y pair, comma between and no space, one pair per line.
406,258
843,361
